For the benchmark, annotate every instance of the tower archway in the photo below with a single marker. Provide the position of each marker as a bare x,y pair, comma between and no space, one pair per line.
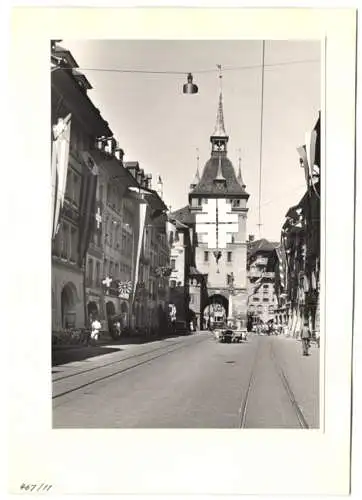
216,309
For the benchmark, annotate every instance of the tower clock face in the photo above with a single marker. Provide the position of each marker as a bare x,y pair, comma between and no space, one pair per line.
216,222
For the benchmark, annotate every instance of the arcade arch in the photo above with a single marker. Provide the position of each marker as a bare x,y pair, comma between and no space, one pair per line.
68,300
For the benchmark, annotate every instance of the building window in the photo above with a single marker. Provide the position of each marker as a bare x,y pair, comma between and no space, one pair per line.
64,239
265,299
199,202
90,272
206,256
173,284
266,286
58,242
69,185
229,256
98,274
256,299
76,180
173,263
100,195
73,244
236,203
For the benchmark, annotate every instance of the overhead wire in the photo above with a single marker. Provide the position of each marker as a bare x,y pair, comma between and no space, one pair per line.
261,134
195,72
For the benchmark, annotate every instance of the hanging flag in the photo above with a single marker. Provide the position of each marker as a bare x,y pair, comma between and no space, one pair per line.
87,209
60,158
124,289
310,141
142,217
302,151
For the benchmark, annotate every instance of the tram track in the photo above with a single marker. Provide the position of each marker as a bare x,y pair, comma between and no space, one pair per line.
149,355
302,420
285,383
69,375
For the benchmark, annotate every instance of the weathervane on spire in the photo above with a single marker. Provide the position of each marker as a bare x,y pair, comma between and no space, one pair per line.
220,75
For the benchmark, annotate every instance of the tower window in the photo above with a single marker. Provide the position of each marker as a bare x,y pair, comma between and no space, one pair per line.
229,256
206,256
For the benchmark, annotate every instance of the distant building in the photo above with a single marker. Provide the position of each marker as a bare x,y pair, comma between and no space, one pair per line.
262,299
151,286
187,284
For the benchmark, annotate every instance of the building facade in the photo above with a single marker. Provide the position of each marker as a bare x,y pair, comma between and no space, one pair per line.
262,299
69,96
110,257
110,254
301,242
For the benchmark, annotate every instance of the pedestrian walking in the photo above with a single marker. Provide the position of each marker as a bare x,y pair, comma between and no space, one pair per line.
96,326
305,336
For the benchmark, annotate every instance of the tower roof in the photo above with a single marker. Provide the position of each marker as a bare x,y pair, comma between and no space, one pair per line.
220,127
213,166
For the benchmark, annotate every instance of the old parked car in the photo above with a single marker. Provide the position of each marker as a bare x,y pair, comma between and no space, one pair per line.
226,335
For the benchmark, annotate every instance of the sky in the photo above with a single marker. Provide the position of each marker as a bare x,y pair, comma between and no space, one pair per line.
161,128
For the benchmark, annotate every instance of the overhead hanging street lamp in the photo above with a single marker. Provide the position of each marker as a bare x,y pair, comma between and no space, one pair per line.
189,87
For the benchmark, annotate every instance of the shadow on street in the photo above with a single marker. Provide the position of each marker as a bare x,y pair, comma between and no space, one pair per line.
61,357
68,354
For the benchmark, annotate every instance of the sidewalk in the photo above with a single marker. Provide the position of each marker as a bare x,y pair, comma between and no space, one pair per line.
106,340
303,375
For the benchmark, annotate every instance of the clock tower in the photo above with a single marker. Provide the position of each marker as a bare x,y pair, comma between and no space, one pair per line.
217,203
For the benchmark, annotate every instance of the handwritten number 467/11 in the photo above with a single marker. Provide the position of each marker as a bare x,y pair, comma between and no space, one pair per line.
35,487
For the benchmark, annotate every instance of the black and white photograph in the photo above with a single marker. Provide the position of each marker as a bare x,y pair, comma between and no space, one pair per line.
186,233
187,205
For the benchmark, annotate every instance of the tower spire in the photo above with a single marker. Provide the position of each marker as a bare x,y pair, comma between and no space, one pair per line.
239,177
219,137
220,126
197,174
